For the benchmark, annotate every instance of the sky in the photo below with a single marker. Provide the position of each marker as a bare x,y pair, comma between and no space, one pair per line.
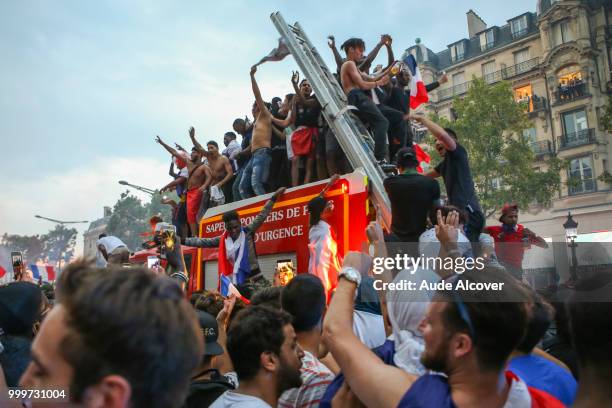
85,86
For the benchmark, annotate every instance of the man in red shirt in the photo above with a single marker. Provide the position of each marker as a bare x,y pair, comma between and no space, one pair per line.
511,240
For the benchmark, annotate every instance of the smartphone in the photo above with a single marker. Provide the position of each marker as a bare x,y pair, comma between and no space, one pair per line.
16,257
152,261
285,270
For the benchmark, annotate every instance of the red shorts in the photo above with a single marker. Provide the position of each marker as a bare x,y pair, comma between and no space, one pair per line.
194,199
302,141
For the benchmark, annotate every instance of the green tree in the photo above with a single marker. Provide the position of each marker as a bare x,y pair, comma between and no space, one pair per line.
59,244
490,126
606,118
128,221
32,246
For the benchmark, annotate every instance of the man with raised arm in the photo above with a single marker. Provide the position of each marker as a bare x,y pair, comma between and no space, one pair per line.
220,167
237,256
198,181
257,169
355,84
455,170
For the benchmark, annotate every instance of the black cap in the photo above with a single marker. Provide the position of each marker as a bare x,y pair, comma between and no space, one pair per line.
19,307
406,157
210,330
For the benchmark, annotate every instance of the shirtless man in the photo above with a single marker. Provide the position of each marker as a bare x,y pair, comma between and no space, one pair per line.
257,169
220,165
355,83
200,178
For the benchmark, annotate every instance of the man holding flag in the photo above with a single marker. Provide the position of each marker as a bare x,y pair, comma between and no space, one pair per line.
237,256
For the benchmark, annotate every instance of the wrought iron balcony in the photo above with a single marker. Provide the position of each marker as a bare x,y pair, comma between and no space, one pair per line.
541,148
568,93
580,138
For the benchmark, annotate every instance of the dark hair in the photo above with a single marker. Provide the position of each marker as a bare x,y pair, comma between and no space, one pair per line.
238,122
230,215
209,302
445,210
118,321
406,158
540,316
290,96
269,296
589,309
304,299
276,100
315,209
493,337
256,330
302,81
352,43
212,142
102,236
230,134
452,133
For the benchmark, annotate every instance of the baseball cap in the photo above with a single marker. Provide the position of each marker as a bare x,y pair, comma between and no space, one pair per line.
210,330
19,307
506,209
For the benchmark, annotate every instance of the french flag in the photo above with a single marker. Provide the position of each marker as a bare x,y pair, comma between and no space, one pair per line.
46,273
421,156
418,93
228,288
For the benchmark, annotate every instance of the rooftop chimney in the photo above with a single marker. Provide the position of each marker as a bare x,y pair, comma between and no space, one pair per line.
475,23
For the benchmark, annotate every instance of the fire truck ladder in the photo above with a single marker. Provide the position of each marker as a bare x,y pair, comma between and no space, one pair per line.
349,131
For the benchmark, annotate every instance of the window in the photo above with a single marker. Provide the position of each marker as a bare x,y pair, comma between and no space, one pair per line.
529,135
519,26
488,71
457,52
581,176
459,85
521,56
486,40
523,95
562,32
574,122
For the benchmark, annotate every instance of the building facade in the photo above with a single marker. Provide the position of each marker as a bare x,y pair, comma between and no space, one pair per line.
559,61
90,237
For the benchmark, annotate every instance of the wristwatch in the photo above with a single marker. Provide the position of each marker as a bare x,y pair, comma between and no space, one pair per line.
351,274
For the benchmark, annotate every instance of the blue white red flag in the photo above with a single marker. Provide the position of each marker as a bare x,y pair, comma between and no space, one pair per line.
418,93
44,272
228,288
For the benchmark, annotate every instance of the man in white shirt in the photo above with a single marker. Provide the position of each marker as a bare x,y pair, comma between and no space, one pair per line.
113,250
263,347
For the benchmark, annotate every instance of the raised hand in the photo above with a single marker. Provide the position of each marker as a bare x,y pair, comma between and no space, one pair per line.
179,147
446,228
358,260
386,39
374,232
295,78
159,140
191,132
331,41
253,69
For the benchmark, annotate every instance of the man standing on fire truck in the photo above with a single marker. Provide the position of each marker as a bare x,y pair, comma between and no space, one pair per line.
237,256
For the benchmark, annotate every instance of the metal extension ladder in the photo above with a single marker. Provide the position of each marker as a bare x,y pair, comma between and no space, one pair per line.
349,131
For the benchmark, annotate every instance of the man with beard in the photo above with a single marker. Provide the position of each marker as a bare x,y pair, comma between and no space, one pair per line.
220,168
198,181
468,336
263,347
457,175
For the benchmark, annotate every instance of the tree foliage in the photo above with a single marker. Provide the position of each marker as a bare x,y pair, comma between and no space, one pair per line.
59,242
490,126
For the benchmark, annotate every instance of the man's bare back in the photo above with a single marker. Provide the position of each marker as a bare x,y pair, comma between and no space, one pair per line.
346,71
262,131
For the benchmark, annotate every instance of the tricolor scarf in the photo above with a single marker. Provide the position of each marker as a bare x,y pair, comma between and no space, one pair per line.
234,258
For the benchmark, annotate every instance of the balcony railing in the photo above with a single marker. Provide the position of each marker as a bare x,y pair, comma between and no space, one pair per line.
520,33
541,148
491,78
568,93
580,138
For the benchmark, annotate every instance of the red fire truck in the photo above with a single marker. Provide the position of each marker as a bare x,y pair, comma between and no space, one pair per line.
284,234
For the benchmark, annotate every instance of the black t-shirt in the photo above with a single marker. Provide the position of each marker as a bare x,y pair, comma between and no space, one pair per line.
246,142
411,196
455,169
398,99
308,117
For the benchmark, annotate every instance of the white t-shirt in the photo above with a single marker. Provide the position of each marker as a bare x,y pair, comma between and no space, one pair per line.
369,327
110,243
233,399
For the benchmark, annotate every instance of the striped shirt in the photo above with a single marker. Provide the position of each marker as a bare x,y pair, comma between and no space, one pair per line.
315,379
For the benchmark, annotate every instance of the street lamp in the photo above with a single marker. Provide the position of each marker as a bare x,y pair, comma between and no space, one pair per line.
139,188
571,233
60,222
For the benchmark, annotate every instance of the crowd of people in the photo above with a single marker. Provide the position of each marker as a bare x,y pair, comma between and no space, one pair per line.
131,337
